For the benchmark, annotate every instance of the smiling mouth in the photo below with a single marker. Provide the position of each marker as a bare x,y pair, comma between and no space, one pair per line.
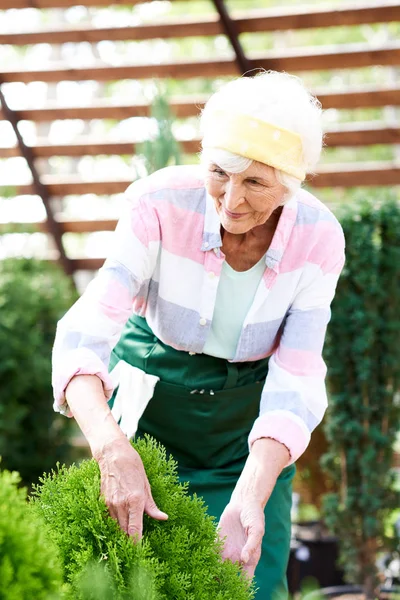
232,215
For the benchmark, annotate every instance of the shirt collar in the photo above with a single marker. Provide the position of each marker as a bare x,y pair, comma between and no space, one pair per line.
212,227
282,235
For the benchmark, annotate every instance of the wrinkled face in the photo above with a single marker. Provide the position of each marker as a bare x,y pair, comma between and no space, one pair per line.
244,200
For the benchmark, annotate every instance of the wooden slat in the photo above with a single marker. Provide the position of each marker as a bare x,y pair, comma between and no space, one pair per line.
306,17
90,148
87,264
191,106
180,107
353,134
6,4
73,185
351,175
366,97
75,226
87,226
344,57
252,21
181,70
362,134
343,175
184,28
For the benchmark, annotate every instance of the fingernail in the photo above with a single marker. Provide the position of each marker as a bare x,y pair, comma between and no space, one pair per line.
245,557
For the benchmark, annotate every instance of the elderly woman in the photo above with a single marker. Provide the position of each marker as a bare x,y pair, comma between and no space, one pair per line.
205,325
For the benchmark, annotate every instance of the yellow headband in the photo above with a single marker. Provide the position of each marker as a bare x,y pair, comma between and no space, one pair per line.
255,139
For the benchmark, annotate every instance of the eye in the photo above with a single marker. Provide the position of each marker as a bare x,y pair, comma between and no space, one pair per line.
254,182
219,171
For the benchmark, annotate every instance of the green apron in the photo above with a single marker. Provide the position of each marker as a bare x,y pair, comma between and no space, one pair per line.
202,411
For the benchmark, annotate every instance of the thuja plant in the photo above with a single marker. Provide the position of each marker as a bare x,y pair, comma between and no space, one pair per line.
29,566
363,356
179,559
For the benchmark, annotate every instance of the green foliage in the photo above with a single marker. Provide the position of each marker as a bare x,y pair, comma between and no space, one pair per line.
176,560
363,356
95,582
33,296
163,150
29,567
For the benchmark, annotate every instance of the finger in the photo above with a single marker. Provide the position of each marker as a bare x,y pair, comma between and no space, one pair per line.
153,511
135,523
122,516
112,507
250,568
253,543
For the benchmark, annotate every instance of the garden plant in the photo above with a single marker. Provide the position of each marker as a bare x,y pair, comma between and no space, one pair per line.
33,296
179,559
363,356
29,566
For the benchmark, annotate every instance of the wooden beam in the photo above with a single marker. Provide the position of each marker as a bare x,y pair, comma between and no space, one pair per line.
343,175
249,22
345,56
191,106
232,33
352,134
37,184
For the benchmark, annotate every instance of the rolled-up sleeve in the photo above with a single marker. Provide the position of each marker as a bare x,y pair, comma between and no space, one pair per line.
294,396
89,331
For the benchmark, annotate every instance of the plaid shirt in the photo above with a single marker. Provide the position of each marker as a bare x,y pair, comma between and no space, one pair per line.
165,265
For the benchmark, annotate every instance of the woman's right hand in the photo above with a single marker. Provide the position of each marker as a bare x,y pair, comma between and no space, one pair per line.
125,487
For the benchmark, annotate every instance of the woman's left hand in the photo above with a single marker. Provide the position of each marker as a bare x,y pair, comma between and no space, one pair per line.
243,525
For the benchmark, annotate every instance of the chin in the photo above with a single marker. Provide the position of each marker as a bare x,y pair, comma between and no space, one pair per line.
235,227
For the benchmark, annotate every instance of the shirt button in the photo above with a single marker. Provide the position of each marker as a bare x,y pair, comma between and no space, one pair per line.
216,250
211,274
203,321
192,353
206,244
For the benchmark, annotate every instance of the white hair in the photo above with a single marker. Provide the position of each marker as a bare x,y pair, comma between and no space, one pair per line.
277,98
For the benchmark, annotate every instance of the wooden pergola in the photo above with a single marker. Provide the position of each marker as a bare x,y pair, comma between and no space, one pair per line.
346,56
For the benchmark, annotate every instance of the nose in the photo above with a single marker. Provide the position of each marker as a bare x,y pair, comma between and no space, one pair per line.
233,196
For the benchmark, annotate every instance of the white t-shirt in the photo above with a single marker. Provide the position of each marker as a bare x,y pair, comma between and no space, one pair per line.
235,295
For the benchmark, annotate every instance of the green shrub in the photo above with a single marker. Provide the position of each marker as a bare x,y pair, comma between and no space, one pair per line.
33,296
29,566
177,560
363,356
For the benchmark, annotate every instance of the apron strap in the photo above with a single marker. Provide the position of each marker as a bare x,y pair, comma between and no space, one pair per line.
232,376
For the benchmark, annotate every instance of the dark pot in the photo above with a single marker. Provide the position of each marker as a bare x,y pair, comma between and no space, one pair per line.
313,554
